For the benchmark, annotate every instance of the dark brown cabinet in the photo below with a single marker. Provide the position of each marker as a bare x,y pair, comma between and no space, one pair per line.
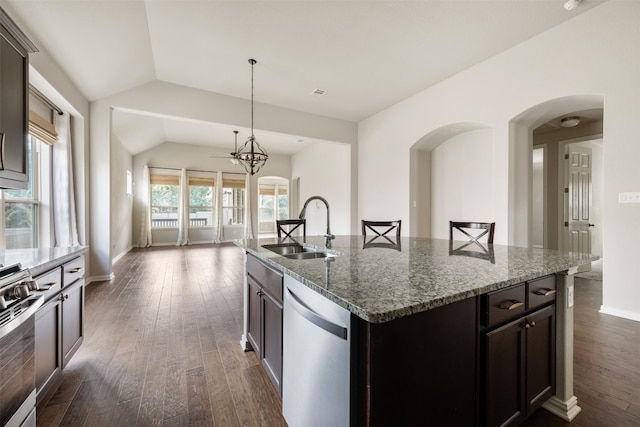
72,297
265,317
59,329
518,351
14,107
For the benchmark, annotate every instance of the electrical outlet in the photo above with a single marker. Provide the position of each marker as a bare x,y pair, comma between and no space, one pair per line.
570,296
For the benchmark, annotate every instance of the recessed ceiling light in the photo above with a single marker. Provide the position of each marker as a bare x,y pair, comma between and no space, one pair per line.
569,122
318,92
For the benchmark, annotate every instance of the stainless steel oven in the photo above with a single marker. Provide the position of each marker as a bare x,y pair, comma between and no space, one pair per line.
18,304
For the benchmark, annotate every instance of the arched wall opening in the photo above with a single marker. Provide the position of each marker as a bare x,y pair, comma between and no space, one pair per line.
451,178
522,138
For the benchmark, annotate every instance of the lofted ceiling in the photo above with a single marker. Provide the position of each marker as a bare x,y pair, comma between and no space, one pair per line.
366,55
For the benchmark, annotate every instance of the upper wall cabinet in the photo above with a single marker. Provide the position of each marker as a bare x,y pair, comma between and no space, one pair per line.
15,48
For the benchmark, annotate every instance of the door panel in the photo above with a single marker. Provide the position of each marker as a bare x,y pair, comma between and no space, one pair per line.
577,225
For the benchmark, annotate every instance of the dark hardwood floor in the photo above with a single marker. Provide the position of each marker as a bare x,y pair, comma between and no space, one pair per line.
162,348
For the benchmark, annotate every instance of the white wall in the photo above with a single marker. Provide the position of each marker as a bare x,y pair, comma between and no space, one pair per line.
604,61
121,202
461,168
324,170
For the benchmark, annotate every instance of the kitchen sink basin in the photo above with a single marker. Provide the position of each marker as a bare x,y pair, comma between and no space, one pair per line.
297,251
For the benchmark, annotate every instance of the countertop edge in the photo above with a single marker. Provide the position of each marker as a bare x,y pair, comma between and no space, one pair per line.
381,317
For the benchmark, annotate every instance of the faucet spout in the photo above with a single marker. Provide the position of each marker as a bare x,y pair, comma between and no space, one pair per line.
328,236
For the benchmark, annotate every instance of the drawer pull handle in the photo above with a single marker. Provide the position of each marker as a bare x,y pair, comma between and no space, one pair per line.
530,325
75,270
2,140
545,292
47,286
511,304
63,297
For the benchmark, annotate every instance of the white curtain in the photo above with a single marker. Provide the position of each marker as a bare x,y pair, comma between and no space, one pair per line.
65,228
248,232
145,221
219,226
183,210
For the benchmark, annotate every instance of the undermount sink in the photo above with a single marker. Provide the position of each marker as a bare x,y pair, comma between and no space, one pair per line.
297,251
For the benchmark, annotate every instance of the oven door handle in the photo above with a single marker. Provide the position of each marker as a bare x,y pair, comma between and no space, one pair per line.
34,304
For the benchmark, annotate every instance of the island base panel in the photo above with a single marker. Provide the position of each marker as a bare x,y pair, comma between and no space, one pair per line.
420,368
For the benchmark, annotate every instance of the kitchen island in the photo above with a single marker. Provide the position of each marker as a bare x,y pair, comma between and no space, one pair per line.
432,329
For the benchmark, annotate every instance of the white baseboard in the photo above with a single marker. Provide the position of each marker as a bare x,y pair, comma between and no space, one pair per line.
121,254
105,278
631,315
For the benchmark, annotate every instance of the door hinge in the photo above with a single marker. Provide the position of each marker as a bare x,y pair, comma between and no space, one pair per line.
566,157
566,224
566,189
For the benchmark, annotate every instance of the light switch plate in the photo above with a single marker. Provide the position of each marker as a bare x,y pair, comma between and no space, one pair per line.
570,296
629,197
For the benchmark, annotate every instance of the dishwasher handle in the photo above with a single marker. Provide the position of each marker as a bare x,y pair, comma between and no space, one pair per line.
315,318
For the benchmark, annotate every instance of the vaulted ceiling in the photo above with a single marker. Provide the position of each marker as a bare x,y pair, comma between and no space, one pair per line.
366,55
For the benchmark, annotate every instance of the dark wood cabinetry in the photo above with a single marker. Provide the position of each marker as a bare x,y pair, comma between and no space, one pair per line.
518,351
59,330
14,107
264,330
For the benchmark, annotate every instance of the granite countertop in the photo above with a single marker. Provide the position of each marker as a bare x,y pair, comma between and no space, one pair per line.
39,260
386,282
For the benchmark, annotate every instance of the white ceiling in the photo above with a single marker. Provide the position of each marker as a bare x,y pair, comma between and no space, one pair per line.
366,55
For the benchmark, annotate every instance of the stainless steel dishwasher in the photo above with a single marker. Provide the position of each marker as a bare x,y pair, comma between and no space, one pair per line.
316,359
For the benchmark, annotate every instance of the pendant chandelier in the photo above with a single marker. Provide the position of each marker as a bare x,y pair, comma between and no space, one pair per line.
251,155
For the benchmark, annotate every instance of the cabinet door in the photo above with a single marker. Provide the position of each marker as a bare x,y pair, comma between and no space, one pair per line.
540,357
505,374
72,320
272,344
13,114
47,344
254,332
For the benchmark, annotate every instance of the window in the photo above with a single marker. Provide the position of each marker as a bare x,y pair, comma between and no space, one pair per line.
273,203
201,201
164,201
232,201
21,208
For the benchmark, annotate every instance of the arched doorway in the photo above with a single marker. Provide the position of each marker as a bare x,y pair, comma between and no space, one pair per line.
541,128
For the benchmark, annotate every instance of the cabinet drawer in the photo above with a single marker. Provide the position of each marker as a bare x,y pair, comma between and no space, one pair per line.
268,278
73,270
541,291
49,283
505,304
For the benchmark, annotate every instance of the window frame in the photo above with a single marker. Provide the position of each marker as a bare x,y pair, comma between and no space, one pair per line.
34,179
198,181
238,206
162,178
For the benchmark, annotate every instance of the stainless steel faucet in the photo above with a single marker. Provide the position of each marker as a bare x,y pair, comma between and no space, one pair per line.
328,236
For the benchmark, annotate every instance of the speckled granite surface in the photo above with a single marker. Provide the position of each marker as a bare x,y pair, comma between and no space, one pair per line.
40,260
379,284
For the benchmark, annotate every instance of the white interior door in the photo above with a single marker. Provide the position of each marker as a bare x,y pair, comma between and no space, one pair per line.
578,201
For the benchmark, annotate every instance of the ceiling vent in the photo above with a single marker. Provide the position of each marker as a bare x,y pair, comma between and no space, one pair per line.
318,92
